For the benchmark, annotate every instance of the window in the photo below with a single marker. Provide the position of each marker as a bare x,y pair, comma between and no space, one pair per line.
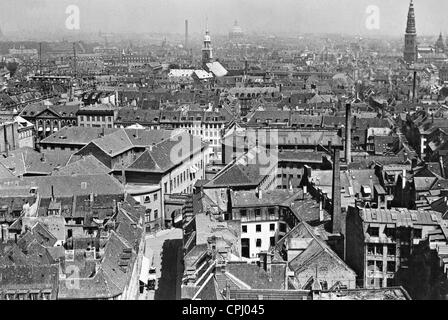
324,285
148,215
272,227
390,232
258,244
257,213
417,233
282,227
370,249
391,250
391,266
379,249
147,199
373,231
258,228
271,212
379,266
272,241
155,196
166,187
244,229
156,214
243,213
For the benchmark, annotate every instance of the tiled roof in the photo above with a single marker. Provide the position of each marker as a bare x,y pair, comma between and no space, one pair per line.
401,216
77,185
115,143
256,277
28,161
163,156
83,166
269,198
131,115
76,135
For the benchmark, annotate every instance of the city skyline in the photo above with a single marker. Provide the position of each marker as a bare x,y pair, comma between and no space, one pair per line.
167,16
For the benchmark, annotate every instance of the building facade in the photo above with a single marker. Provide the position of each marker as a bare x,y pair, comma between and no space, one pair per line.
379,242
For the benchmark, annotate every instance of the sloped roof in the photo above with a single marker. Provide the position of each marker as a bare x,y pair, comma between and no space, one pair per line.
115,143
217,69
101,184
401,216
168,153
83,166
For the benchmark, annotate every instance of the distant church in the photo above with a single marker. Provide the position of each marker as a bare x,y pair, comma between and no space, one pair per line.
432,54
208,63
410,38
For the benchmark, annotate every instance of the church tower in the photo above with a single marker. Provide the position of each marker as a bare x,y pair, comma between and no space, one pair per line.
207,51
440,45
410,38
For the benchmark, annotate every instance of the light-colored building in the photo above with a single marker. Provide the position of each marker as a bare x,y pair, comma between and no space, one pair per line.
97,115
151,198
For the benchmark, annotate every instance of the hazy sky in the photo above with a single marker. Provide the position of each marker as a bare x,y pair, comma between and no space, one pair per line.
270,16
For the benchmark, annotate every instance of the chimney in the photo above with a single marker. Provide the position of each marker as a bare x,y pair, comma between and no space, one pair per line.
229,203
336,193
5,136
403,180
321,211
123,176
442,168
52,193
259,193
348,133
266,261
114,207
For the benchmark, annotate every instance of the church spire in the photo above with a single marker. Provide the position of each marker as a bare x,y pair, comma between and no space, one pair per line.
410,28
440,44
410,38
207,51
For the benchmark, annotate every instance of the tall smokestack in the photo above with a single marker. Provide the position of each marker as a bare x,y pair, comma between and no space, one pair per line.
348,133
186,34
414,85
336,193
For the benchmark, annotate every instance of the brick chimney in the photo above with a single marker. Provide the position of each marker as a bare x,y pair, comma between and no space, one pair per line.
336,193
348,133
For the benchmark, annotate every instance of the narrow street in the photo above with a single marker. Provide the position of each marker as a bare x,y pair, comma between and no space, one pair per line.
166,248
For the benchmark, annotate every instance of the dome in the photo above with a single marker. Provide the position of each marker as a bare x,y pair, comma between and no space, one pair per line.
236,30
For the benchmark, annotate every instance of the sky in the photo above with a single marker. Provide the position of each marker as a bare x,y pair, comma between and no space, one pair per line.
261,16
